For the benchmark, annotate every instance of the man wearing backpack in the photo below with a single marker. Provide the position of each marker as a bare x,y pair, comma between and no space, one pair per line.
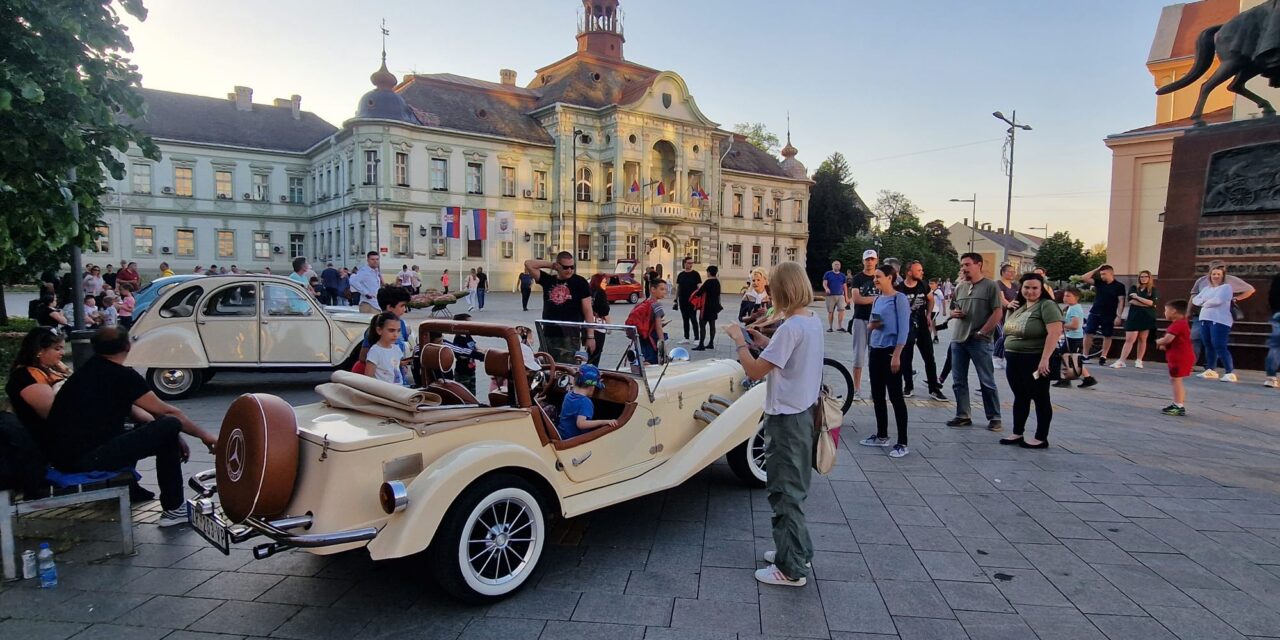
687,282
647,317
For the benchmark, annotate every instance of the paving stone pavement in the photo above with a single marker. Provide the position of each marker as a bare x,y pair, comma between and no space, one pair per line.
1131,526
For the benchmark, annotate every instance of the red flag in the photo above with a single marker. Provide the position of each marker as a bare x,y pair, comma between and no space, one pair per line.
635,186
662,189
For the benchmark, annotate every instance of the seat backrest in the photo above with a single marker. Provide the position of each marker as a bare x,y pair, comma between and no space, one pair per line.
451,392
497,363
435,357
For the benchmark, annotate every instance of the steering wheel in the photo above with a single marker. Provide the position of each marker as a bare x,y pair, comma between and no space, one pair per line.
550,372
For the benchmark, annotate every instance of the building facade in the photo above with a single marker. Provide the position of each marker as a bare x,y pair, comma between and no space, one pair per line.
996,247
596,155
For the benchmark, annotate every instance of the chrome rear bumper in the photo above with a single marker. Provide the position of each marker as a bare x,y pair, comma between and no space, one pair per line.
278,530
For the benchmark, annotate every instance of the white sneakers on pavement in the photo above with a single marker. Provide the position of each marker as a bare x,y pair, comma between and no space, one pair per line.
773,575
1272,382
1119,364
1230,377
1209,374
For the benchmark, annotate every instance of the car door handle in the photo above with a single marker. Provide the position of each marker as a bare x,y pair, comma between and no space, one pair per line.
578,461
265,322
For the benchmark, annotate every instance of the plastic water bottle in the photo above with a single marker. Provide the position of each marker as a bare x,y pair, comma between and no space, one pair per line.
48,572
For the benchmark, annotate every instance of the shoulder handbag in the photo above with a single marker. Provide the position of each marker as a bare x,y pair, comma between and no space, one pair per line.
827,418
1237,313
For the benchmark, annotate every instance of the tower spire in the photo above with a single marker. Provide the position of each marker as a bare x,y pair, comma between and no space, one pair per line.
382,78
385,32
789,151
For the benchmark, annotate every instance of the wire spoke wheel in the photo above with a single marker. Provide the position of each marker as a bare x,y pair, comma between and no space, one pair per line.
836,378
491,539
495,555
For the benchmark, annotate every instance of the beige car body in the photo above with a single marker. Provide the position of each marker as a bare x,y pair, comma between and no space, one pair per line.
687,415
280,326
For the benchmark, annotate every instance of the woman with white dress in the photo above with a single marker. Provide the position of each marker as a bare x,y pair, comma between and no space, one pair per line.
473,281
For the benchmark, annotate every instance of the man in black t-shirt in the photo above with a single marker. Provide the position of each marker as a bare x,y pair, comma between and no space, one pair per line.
921,335
863,291
687,282
1104,315
86,423
566,297
482,286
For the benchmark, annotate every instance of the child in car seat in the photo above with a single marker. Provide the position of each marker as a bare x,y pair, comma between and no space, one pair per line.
577,409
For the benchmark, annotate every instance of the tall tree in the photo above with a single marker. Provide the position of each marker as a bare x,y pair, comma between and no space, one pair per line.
1096,256
835,213
63,81
890,205
1061,256
905,239
760,136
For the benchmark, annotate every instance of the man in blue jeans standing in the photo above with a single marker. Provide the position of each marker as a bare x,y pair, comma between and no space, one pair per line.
1273,344
976,311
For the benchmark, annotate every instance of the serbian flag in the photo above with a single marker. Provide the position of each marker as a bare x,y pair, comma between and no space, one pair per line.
452,222
662,189
696,194
479,221
635,186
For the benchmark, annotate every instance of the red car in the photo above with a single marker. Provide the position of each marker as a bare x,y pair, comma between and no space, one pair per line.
621,285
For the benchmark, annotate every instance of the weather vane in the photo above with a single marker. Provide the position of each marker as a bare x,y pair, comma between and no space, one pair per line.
385,32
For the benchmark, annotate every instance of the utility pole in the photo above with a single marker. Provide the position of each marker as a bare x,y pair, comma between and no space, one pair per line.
1013,132
973,226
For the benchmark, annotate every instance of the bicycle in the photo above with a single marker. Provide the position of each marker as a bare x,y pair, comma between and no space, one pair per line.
837,379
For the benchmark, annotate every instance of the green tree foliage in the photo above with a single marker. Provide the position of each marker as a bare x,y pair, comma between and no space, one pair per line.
906,239
63,82
1062,257
1096,256
759,136
835,213
891,205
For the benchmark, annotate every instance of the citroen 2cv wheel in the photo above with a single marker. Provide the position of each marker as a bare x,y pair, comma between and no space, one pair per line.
490,540
175,383
633,298
747,459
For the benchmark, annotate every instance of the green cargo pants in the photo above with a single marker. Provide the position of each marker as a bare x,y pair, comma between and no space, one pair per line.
788,456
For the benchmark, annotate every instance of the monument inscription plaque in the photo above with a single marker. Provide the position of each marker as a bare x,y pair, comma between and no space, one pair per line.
1244,180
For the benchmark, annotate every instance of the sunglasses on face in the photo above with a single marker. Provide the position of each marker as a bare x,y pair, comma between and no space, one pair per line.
566,267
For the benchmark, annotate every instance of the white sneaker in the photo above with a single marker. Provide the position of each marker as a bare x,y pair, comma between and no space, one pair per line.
772,554
1230,377
1209,374
1137,364
172,517
1118,365
1272,382
997,363
684,342
773,575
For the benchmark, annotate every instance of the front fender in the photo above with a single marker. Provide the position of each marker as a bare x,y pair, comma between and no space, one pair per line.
434,490
172,345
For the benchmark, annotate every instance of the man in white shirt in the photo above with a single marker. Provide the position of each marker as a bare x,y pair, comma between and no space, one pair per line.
366,282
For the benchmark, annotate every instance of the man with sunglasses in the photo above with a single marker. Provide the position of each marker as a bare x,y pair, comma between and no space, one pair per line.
566,297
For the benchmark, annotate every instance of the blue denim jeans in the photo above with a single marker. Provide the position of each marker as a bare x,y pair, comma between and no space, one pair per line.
978,351
480,298
1273,346
1215,336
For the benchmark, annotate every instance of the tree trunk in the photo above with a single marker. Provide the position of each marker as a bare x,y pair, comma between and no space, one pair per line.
4,311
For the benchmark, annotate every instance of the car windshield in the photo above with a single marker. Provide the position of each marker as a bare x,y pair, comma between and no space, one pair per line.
146,296
618,345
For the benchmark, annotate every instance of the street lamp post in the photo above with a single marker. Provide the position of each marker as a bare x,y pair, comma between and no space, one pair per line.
1013,131
377,205
974,221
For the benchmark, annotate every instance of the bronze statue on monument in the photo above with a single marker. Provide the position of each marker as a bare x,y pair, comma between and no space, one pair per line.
1247,46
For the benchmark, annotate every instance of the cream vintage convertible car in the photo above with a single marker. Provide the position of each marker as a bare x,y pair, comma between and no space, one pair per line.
470,481
239,322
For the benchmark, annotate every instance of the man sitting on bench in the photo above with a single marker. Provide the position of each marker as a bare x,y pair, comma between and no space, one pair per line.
86,423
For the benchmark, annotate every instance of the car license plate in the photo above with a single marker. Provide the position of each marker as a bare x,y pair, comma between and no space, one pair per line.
210,528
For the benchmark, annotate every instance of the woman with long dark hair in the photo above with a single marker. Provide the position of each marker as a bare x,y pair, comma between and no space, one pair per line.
1141,319
1031,330
34,376
600,309
711,308
49,315
890,326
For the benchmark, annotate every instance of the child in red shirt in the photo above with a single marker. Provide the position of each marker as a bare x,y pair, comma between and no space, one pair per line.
1176,343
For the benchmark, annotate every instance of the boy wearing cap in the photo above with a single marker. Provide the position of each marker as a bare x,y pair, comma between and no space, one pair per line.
863,291
576,410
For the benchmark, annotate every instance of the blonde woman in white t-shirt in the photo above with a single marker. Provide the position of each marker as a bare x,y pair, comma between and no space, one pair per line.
791,365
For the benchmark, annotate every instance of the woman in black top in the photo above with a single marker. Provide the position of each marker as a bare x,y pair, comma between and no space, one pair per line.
48,314
711,307
600,309
32,378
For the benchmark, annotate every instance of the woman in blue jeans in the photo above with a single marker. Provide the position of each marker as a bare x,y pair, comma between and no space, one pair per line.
1273,343
1215,324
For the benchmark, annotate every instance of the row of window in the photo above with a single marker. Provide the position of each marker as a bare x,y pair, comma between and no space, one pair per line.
735,255
439,176
758,211
184,184
184,243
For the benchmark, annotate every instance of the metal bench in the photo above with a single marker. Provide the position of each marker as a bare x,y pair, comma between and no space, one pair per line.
11,510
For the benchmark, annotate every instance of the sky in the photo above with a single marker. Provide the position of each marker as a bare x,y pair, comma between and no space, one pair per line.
905,90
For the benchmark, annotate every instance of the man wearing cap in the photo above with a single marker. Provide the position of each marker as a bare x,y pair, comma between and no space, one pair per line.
577,410
863,290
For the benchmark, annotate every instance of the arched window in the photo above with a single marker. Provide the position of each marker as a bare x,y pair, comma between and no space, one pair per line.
583,186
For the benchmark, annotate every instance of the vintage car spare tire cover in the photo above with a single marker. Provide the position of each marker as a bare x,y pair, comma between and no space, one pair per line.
257,457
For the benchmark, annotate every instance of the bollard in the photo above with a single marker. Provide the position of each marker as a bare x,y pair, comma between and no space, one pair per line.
81,351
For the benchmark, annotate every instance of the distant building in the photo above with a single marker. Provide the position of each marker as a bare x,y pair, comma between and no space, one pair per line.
1140,157
621,147
996,248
